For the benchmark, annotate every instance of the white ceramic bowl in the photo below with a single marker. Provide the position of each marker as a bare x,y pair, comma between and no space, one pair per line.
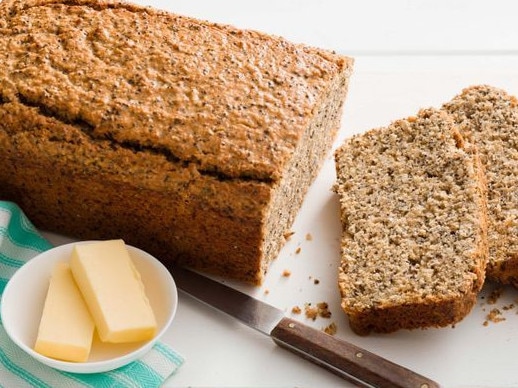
24,296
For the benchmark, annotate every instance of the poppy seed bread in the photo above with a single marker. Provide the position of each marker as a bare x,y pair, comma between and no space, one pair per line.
191,140
414,244
488,116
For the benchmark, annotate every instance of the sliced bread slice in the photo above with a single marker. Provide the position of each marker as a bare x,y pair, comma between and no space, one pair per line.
414,240
489,117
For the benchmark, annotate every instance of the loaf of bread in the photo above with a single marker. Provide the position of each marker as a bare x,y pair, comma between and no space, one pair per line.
489,117
192,140
414,241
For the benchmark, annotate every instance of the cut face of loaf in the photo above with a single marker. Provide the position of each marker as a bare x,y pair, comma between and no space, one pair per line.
192,140
414,244
489,117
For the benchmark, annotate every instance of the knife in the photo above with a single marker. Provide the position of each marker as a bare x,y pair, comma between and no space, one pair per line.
346,360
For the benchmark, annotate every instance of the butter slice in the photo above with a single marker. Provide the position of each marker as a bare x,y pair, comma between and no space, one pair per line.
66,327
113,291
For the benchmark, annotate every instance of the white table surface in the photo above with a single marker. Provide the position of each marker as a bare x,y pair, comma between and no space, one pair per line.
408,55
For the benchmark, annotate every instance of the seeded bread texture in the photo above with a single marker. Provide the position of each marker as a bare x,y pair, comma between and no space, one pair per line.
488,117
192,140
414,240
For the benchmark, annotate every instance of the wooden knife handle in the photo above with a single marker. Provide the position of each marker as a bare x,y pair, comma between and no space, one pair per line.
344,359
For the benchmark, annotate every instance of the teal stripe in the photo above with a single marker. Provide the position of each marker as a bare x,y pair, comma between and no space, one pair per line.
10,231
11,262
150,378
14,238
120,378
96,380
169,353
3,283
22,373
12,247
21,229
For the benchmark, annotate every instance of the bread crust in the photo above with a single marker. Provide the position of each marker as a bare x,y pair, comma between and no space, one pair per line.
192,140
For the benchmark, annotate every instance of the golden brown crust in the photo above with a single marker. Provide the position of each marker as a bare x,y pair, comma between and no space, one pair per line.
436,313
195,141
180,68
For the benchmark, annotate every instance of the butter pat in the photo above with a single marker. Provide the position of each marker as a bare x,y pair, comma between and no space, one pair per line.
66,327
113,291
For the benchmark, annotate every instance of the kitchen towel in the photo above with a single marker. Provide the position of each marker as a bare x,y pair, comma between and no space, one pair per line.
19,242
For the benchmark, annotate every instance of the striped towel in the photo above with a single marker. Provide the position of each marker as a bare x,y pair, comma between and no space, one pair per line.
19,242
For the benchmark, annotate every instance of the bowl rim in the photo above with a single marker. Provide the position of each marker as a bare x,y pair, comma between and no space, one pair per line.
88,366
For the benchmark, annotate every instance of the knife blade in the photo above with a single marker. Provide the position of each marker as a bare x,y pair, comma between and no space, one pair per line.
344,359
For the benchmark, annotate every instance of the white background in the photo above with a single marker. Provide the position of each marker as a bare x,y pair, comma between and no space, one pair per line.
409,54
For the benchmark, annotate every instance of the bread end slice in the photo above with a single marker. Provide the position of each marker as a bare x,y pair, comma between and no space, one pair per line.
414,240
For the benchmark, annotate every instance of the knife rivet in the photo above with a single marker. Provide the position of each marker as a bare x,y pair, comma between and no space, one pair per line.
359,354
291,325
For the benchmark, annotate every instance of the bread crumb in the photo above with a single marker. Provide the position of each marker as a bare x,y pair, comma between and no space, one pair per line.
288,235
266,292
495,316
309,237
320,310
330,329
296,310
286,273
316,281
310,311
323,310
297,251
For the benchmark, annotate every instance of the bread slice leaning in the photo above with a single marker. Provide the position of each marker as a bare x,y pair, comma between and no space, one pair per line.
414,240
489,117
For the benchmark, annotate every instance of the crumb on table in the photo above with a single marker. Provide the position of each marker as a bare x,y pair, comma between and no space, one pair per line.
495,316
296,310
330,329
288,235
320,310
323,310
310,311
